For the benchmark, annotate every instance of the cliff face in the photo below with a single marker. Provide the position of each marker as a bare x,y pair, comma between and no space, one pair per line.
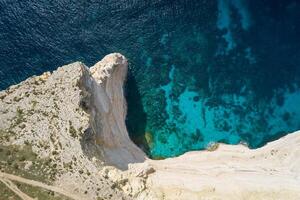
103,100
66,130
73,120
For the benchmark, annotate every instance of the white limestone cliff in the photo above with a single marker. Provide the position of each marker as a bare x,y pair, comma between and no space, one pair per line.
75,117
104,100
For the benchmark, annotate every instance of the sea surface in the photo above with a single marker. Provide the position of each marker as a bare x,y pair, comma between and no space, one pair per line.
201,71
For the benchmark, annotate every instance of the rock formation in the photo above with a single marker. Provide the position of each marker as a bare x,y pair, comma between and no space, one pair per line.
104,101
64,132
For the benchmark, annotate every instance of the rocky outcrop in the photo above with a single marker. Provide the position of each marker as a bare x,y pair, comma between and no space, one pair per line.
74,121
103,100
67,129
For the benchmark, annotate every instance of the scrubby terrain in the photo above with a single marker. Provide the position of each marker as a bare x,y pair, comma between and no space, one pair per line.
46,137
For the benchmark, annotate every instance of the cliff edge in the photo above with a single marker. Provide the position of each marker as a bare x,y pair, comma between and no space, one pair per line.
63,136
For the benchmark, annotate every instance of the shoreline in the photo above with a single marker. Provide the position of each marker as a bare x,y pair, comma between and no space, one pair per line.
76,117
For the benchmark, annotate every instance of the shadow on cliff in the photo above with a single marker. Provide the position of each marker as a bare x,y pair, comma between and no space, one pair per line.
136,118
92,145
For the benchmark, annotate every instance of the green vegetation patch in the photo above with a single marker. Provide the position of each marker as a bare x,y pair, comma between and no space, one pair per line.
40,193
22,161
6,193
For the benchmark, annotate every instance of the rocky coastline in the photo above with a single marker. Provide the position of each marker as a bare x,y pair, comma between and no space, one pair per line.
63,136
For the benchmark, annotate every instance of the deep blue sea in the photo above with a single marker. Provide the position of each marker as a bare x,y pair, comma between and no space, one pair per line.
201,71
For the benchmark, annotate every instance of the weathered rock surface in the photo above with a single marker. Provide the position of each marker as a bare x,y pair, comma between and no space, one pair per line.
74,119
67,129
232,172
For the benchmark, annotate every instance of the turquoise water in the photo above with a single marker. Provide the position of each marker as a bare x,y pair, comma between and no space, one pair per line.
200,71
